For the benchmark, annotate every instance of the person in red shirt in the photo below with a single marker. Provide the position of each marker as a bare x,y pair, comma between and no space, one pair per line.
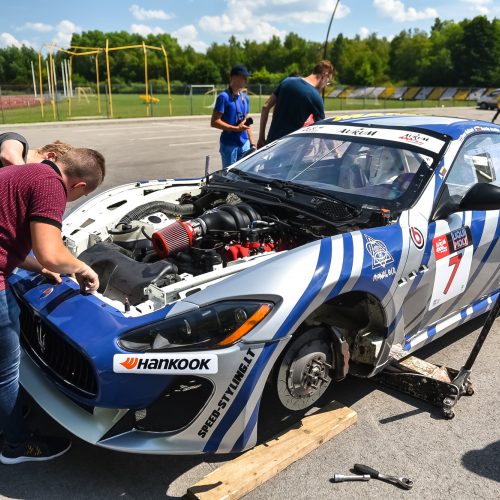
32,203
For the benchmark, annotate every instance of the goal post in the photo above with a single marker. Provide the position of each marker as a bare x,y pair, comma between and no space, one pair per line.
204,94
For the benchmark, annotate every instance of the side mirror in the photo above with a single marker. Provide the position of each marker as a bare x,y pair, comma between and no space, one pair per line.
482,196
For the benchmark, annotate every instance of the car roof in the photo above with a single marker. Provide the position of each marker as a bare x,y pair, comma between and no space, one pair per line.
451,126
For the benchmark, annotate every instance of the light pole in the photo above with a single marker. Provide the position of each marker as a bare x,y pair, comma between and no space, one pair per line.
326,39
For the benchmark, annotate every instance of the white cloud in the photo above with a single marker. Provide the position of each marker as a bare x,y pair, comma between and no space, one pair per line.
396,10
8,40
188,35
144,30
65,30
479,6
262,19
40,27
241,22
316,12
143,14
364,32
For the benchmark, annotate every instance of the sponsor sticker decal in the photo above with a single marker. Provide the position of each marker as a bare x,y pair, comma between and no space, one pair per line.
47,292
417,237
460,238
228,394
414,138
358,131
442,172
381,257
441,248
165,364
452,242
453,252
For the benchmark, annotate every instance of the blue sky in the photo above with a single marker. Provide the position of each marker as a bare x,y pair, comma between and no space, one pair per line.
200,22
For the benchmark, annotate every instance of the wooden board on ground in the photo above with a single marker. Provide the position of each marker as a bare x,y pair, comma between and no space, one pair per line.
241,475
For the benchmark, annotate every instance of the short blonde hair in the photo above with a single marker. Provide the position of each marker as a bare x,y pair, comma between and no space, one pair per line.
57,147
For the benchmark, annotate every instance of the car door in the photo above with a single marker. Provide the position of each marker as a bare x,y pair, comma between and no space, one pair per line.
465,256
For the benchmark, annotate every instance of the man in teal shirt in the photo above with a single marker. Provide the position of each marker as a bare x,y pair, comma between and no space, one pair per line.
296,99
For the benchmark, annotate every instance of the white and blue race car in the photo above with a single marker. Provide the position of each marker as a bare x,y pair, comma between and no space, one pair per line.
338,249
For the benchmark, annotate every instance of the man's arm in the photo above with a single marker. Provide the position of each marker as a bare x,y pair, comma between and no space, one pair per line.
264,115
217,122
51,253
11,153
31,264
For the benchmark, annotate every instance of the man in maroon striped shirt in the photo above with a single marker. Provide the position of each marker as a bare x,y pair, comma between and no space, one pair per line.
32,203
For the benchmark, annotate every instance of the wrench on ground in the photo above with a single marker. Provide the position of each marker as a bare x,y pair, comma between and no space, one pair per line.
402,482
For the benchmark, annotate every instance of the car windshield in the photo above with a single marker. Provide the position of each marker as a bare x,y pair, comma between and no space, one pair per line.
356,170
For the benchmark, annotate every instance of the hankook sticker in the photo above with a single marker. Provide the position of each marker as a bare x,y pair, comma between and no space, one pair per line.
165,364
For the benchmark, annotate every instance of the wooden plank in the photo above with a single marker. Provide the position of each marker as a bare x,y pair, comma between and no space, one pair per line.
241,475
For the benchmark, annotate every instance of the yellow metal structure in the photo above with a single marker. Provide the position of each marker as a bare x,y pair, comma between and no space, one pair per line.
76,50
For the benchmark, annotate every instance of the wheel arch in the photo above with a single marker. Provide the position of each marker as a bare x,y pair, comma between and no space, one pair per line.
357,320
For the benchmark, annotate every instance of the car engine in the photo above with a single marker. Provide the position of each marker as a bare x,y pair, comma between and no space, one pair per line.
160,243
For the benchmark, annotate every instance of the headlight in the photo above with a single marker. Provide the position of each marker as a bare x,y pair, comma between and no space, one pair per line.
216,325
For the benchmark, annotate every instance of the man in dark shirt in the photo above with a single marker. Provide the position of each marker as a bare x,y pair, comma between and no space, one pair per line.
32,203
14,150
296,99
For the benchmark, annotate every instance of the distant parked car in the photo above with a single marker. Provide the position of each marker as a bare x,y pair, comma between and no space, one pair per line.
489,101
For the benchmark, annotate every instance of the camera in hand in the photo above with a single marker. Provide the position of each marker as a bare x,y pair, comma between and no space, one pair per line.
248,121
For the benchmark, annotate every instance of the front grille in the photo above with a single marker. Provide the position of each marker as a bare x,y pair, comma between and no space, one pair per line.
60,359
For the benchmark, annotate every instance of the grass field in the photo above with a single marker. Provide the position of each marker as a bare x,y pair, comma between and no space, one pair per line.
131,106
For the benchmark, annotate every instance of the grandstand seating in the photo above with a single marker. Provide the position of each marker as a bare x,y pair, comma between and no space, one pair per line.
346,92
336,92
378,91
423,93
411,93
436,93
387,93
449,93
399,92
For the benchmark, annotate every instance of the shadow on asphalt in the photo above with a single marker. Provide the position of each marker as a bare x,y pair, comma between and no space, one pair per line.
484,462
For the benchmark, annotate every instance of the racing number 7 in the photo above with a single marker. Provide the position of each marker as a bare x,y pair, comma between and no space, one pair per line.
455,262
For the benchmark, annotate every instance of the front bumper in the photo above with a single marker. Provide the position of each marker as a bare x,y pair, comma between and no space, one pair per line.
107,427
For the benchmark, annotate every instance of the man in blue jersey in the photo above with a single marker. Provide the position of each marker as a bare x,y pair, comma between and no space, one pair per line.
296,99
230,113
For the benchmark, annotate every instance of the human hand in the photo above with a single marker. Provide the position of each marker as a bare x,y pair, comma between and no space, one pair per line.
241,127
52,277
88,280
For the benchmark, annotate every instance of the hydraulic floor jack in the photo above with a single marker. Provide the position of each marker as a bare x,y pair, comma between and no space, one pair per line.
438,385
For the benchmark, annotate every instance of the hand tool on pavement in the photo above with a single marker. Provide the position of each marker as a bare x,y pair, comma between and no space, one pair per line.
403,482
340,478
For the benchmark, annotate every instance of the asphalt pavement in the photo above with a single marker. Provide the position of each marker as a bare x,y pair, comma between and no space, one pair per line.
395,434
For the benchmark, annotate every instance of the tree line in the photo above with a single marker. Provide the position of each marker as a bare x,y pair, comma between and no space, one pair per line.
465,53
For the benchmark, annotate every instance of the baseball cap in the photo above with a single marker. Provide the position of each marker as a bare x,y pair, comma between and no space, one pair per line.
240,69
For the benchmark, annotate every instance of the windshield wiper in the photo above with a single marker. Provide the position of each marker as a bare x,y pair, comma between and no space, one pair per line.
318,193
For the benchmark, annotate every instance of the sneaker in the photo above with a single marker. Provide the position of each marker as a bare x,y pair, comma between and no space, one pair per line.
35,449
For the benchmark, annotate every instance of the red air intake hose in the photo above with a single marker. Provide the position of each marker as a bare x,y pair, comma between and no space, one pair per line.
172,239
